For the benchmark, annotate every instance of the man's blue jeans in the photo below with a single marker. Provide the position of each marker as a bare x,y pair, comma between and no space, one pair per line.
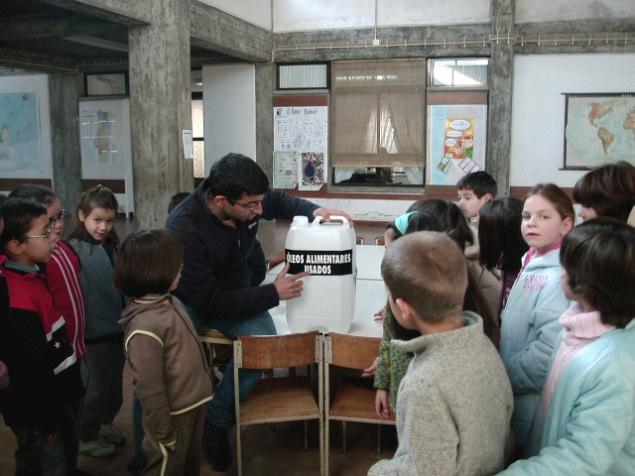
221,409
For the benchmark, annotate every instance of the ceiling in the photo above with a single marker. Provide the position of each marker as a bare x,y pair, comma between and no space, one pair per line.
40,36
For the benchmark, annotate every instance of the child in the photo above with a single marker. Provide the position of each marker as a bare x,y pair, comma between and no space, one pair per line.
501,242
95,242
474,191
62,271
455,225
589,398
455,401
391,365
607,191
4,306
170,371
45,385
530,326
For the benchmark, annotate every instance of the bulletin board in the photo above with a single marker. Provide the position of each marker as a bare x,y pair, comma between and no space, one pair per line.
106,151
300,144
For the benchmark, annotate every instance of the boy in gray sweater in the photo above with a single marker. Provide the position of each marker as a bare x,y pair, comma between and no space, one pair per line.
455,402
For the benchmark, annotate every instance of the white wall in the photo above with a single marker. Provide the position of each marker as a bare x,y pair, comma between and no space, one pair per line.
257,12
528,11
303,15
229,111
538,108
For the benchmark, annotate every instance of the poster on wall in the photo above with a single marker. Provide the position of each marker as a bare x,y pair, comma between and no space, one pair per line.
301,130
106,152
599,129
25,140
285,169
456,141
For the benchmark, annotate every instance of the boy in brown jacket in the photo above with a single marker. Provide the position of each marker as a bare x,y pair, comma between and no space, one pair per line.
171,376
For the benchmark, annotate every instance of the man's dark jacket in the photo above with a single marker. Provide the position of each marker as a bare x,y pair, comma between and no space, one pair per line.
222,266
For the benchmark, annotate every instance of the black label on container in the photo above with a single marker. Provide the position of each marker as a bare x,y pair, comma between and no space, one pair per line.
320,263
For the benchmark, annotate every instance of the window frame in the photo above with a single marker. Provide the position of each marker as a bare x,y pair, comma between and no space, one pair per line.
304,63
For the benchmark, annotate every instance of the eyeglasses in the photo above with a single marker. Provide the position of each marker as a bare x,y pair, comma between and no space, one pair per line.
49,230
251,206
59,217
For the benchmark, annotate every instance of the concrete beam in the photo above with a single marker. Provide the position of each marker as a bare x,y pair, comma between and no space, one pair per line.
265,86
64,93
500,94
213,29
36,61
26,27
160,109
125,12
399,42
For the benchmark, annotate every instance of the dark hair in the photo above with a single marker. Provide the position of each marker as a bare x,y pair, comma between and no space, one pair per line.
479,182
453,223
148,263
609,190
554,194
428,271
96,197
18,215
500,239
176,199
234,175
39,193
450,217
599,258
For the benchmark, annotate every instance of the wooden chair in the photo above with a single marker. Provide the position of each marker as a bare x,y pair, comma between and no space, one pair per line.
279,399
352,402
210,339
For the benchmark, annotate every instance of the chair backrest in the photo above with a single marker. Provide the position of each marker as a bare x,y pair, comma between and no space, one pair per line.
353,352
283,351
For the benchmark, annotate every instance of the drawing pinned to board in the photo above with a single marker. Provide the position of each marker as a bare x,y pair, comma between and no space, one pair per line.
20,132
302,133
285,169
456,141
312,171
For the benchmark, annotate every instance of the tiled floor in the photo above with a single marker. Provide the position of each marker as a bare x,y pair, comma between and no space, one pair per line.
267,449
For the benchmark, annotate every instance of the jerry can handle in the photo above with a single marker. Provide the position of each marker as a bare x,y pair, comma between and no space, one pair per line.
319,219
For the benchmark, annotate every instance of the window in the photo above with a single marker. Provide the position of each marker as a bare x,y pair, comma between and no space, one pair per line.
458,72
106,84
377,122
303,76
197,135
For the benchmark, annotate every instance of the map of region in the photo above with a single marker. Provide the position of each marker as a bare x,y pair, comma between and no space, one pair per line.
600,129
19,131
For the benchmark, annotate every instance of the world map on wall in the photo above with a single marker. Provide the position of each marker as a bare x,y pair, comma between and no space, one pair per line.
600,129
19,131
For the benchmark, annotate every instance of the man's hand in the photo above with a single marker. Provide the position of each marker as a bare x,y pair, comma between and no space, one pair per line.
329,212
289,287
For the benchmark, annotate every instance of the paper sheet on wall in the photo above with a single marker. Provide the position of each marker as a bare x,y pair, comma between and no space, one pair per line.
303,130
456,141
285,169
312,171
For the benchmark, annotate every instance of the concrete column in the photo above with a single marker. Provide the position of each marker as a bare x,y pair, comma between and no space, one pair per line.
64,92
265,86
500,94
160,108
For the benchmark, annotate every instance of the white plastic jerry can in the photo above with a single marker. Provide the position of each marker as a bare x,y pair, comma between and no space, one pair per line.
326,250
